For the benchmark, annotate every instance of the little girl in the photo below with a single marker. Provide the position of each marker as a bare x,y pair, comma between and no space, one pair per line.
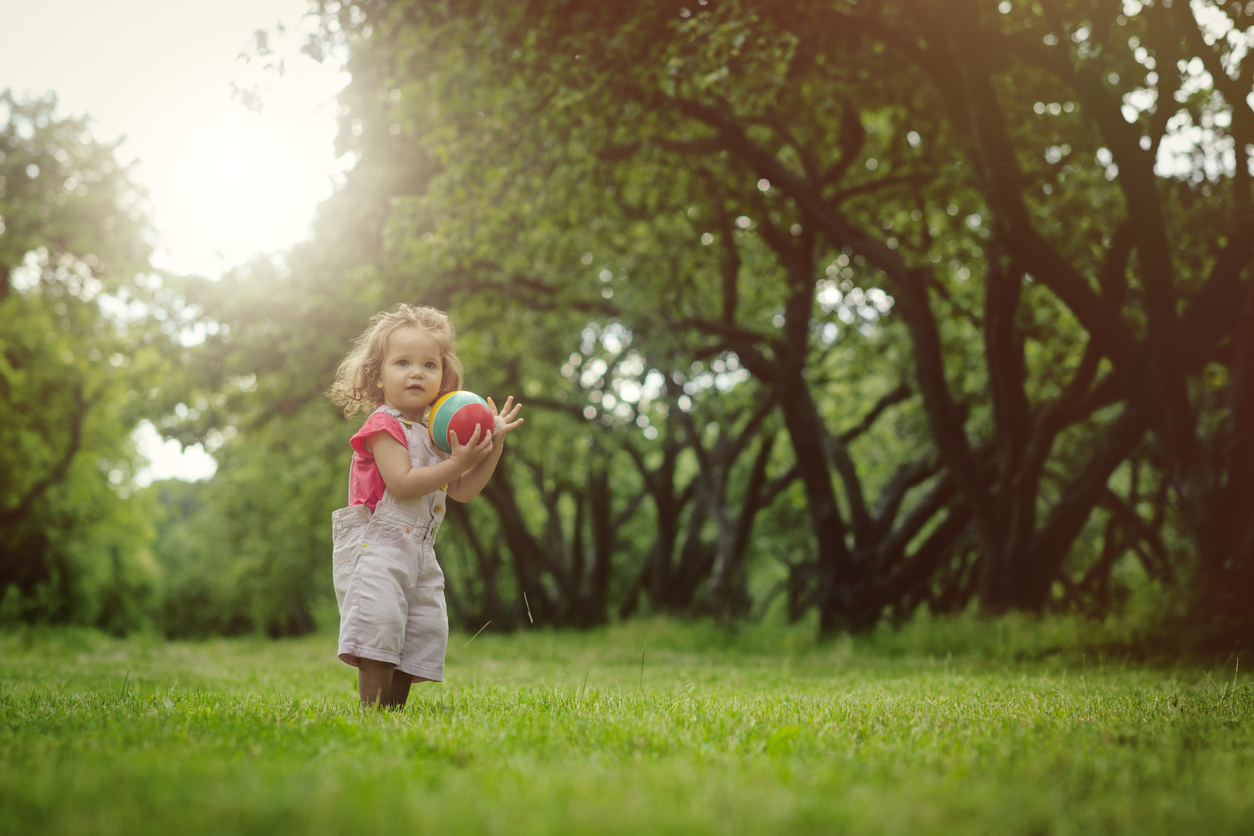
393,624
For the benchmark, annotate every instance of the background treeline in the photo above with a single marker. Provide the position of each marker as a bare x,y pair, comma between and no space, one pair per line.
833,307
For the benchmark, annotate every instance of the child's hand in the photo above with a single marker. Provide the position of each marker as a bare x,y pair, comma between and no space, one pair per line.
504,420
473,451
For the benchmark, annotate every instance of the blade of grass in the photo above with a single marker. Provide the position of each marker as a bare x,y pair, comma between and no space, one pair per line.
476,635
1218,693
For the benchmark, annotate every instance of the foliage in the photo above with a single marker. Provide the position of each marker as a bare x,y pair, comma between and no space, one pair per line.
239,560
713,181
74,359
856,308
643,727
872,306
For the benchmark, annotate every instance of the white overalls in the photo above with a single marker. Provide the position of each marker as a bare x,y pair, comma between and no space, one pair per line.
387,581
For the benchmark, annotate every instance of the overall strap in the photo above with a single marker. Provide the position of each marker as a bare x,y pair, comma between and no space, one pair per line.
415,432
394,412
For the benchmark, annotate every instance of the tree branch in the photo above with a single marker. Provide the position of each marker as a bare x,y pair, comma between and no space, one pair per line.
60,469
896,396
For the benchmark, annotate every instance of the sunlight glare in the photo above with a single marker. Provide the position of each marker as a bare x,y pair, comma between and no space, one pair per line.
223,183
234,177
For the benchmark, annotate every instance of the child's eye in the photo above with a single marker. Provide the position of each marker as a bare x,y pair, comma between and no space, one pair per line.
430,365
402,362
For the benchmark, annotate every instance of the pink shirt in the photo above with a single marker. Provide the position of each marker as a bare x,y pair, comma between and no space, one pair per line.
365,482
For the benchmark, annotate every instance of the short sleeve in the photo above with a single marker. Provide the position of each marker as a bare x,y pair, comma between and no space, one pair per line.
378,422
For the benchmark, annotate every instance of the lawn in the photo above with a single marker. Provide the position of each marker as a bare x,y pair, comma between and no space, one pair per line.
650,727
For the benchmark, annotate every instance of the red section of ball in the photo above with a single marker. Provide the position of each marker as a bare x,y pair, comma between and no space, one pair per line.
464,420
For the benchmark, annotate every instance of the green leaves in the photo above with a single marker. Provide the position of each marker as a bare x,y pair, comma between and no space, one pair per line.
73,248
610,199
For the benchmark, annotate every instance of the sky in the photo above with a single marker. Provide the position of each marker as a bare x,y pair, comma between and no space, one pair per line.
223,182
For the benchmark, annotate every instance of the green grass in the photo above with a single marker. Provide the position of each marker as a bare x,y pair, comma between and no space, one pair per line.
754,732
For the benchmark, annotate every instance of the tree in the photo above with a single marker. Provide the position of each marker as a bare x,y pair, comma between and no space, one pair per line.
583,120
73,253
535,149
1162,297
927,244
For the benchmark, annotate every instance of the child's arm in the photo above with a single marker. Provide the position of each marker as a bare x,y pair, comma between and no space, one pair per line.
408,482
469,484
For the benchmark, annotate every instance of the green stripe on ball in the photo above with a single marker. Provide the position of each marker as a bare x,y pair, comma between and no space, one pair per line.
442,413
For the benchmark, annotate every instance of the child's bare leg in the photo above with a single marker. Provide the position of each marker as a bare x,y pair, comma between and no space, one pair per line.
374,682
400,689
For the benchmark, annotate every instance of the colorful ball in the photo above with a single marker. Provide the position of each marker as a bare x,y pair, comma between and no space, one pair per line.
458,412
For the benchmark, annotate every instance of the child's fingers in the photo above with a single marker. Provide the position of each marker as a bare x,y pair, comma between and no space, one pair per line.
509,402
508,416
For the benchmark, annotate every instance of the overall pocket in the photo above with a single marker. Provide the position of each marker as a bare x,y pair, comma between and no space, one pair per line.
384,532
347,523
343,563
348,528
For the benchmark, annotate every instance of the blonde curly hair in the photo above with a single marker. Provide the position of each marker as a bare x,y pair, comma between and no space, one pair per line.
356,385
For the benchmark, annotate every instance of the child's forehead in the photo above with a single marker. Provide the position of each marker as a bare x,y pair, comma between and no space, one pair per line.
409,339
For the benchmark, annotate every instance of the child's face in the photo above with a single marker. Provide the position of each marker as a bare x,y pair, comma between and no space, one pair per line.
412,371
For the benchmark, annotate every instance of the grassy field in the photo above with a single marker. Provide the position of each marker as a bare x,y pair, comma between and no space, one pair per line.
651,727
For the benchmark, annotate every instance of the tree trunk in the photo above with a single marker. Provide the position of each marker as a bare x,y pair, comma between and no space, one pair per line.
596,598
1235,554
835,565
